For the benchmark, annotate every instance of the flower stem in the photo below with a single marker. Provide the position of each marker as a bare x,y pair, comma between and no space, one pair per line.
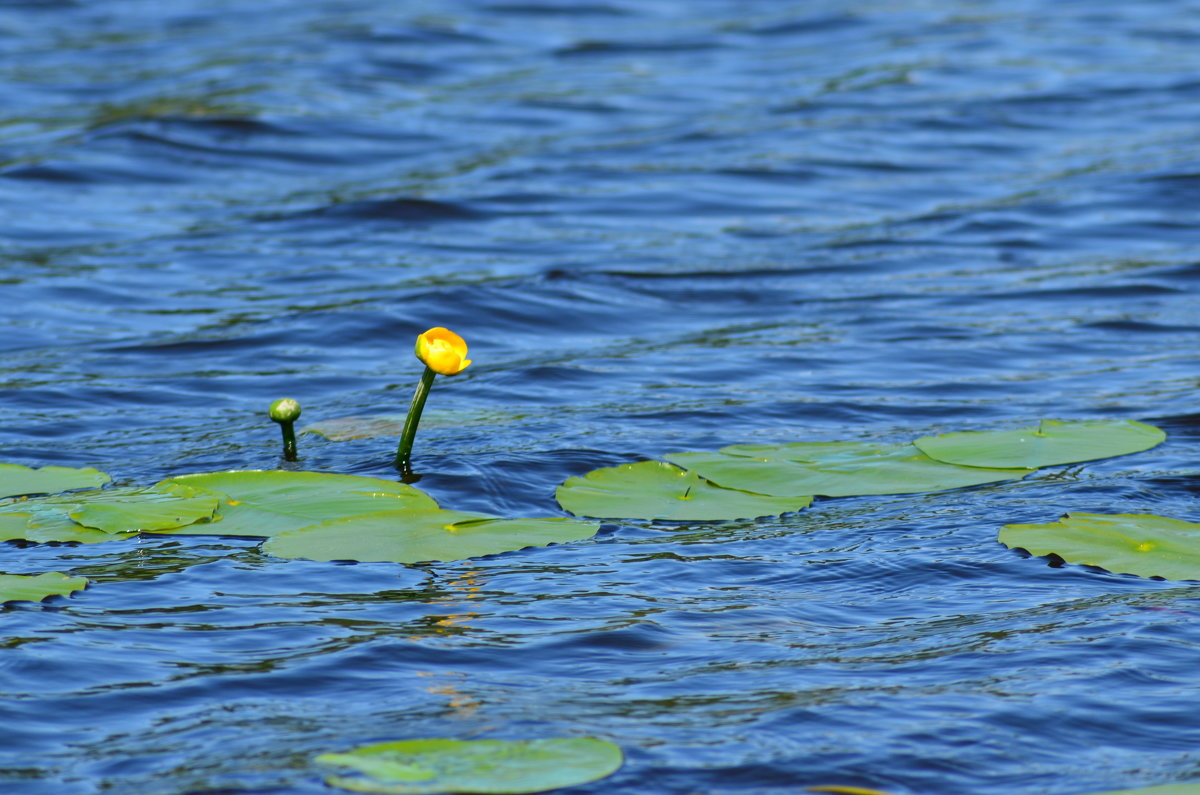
404,451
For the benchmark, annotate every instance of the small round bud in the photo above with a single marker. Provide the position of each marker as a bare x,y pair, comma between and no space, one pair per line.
285,410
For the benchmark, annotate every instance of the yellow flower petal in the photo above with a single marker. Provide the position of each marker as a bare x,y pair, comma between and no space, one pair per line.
442,351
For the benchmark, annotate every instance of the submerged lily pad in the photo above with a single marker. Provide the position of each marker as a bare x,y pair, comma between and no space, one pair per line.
835,469
17,480
658,490
1049,443
1192,788
1141,544
35,588
343,429
423,535
104,515
269,502
488,767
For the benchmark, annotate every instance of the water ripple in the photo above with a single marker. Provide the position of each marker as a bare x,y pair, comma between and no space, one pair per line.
662,226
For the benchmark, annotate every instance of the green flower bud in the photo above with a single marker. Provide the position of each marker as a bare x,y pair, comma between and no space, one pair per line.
285,410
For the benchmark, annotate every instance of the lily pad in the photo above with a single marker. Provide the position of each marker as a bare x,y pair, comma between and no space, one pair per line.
1049,443
835,469
35,588
270,502
1141,544
51,528
13,525
17,480
658,490
421,536
488,767
104,515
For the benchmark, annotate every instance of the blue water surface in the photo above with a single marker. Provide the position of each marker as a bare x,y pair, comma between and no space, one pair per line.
661,225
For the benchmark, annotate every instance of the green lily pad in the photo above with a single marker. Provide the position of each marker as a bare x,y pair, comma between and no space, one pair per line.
35,588
17,480
1141,544
13,525
270,502
835,469
145,510
658,490
51,528
488,767
1049,443
104,515
1192,788
423,535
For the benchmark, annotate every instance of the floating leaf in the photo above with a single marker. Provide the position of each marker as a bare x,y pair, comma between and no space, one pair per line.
51,527
1048,443
845,790
145,510
835,469
28,588
105,515
16,480
658,490
266,503
13,525
489,767
423,535
1141,544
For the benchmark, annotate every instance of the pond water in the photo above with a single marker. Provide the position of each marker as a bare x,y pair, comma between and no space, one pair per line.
661,225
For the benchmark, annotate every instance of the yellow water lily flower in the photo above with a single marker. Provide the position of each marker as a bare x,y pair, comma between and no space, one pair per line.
443,351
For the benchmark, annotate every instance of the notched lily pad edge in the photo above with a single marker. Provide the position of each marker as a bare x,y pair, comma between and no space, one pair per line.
38,587
611,483
70,479
1162,546
424,766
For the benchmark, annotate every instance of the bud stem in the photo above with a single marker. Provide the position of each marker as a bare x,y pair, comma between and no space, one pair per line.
286,411
404,451
289,440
